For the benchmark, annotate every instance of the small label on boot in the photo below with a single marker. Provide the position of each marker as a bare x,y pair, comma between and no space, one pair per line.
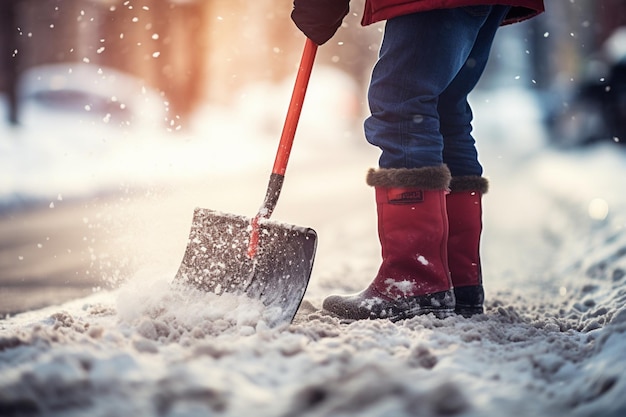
405,196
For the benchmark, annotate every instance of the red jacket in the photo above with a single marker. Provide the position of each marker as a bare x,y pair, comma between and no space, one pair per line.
377,10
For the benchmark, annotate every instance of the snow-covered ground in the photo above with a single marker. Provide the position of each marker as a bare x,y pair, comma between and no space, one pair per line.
552,341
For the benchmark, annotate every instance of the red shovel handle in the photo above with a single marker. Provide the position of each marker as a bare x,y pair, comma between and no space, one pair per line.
295,107
286,141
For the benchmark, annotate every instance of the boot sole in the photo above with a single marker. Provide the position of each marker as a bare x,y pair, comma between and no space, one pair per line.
469,311
438,313
441,305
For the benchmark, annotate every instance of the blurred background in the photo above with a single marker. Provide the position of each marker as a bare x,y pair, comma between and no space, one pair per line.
191,51
101,98
185,50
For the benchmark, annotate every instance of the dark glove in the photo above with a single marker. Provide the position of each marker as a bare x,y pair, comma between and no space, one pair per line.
319,19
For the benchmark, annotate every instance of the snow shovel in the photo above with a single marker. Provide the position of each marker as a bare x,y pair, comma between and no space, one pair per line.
266,260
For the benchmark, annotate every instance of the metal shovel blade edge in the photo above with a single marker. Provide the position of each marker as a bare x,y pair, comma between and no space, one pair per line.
216,260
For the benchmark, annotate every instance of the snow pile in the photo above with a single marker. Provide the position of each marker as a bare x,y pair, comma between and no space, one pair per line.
163,352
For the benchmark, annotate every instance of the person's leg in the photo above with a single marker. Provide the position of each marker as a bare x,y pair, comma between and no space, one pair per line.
467,186
455,113
420,56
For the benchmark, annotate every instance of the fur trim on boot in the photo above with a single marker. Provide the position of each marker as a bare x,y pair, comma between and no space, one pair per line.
469,183
427,178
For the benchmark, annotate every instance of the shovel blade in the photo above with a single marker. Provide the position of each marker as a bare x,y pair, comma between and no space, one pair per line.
216,260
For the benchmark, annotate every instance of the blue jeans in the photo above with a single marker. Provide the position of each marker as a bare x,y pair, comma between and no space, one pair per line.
428,64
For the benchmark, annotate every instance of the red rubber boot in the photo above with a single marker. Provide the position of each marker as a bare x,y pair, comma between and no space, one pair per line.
413,230
464,206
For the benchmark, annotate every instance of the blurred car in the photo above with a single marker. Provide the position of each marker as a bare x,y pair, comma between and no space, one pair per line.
88,93
594,110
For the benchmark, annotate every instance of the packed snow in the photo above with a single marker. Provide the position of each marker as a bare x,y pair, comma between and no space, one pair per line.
552,341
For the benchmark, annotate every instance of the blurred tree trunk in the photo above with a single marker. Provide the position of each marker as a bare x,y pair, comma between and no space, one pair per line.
9,53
